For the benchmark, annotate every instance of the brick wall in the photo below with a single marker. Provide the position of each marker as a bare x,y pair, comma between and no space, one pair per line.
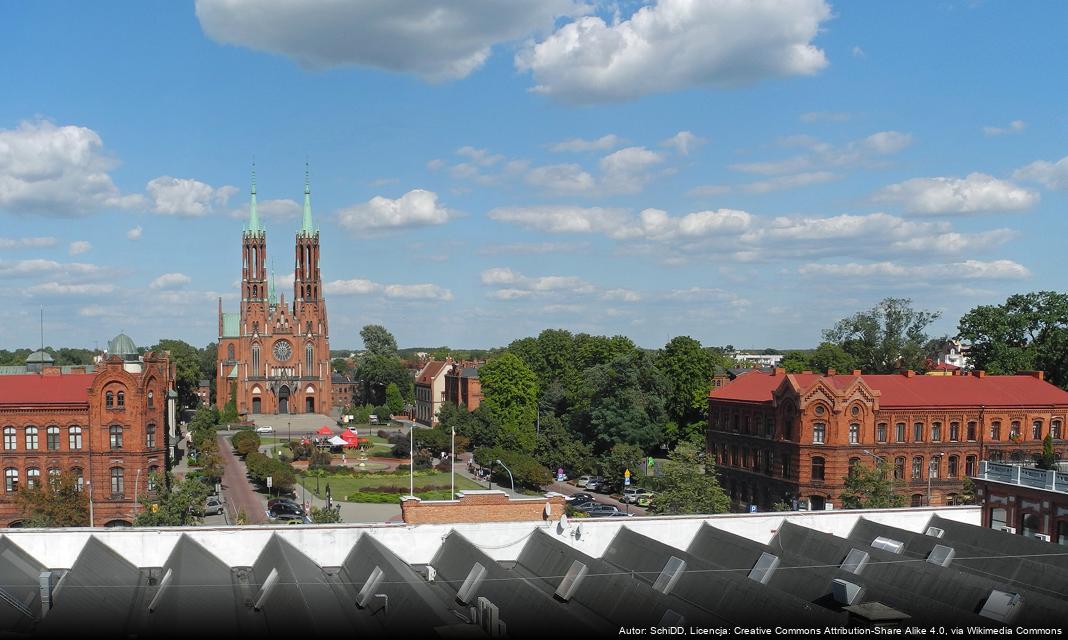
480,506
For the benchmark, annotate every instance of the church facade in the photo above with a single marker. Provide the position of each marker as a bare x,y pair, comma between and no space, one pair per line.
274,357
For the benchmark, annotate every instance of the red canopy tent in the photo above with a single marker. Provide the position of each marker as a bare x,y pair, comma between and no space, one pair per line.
352,439
325,431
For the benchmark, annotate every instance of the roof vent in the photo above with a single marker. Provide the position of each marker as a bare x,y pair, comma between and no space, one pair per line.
888,544
571,581
369,587
163,584
47,581
471,584
855,561
265,590
671,573
846,592
935,532
941,555
672,618
489,618
764,568
1002,606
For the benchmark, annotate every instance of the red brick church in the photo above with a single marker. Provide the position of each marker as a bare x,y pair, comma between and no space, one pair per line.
274,357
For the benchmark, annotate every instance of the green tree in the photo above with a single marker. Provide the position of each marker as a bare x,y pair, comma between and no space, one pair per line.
378,341
690,369
1028,332
326,516
1048,459
689,484
56,503
618,460
870,487
886,338
478,427
510,396
180,507
375,374
186,359
829,356
525,469
229,412
394,399
795,362
557,447
624,403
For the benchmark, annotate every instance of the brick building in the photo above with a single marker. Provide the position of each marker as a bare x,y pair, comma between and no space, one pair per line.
344,389
430,391
204,392
779,437
462,386
275,358
1025,501
108,426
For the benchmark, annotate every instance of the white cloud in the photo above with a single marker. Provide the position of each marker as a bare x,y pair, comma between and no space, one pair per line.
79,246
533,247
887,142
417,208
856,153
481,157
170,281
621,295
658,225
683,142
186,197
134,233
511,285
40,266
27,243
811,117
604,143
563,219
1016,126
562,179
627,170
967,270
709,190
675,44
1054,175
435,40
59,289
975,193
57,171
955,243
779,183
362,286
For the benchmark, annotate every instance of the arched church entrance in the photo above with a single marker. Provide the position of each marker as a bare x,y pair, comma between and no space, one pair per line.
283,400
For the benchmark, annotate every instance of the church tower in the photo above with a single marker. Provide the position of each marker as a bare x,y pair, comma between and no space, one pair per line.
254,287
309,308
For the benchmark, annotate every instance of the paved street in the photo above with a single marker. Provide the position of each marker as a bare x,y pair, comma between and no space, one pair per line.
570,489
236,487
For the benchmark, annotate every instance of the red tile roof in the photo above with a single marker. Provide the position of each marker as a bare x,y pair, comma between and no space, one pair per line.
916,391
33,389
431,370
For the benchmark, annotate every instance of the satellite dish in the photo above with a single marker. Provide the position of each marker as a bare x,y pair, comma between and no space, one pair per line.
578,532
563,521
548,510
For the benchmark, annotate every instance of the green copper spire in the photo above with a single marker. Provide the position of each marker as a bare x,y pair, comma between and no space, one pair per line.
306,226
254,225
272,295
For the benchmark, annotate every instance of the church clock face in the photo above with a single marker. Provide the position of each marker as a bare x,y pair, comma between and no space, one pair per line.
283,350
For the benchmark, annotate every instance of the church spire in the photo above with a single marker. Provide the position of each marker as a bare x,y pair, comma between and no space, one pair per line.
254,225
306,227
272,294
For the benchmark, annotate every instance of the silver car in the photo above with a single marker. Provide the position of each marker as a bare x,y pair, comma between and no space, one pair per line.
213,506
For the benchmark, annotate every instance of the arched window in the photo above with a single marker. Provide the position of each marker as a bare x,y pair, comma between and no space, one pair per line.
880,432
31,438
52,438
53,475
230,352
854,433
11,480
152,472
33,477
1014,430
917,432
79,477
817,468
150,436
900,431
819,433
954,431
121,399
933,467
256,359
151,399
973,431
10,439
115,432
109,399
854,463
917,468
969,466
1055,430
1036,430
953,467
118,487
75,438
309,358
936,432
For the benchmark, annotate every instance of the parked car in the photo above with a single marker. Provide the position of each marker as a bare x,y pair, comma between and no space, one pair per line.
621,514
602,511
287,501
213,506
579,498
582,481
587,506
596,483
632,494
266,428
646,500
285,513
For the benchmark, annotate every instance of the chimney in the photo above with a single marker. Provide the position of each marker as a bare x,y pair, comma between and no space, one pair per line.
779,371
980,374
831,372
910,374
1037,375
856,372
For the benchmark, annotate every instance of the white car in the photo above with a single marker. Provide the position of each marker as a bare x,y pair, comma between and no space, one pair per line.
582,481
265,429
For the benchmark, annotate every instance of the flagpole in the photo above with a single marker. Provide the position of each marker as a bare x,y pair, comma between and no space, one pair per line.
452,465
411,463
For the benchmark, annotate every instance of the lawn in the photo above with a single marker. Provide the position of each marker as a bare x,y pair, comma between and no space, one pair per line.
345,485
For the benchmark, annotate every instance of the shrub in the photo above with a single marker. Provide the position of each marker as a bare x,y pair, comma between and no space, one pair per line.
320,459
525,469
245,442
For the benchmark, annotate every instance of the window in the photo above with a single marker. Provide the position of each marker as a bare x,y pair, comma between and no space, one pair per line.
995,430
819,433
53,476
900,429
109,399
11,480
151,399
1055,429
953,468
917,468
933,470
917,432
954,431
855,411
785,464
936,432
116,436
52,438
1014,430
150,436
121,398
152,471
998,518
880,432
817,468
969,466
75,438
1036,430
33,477
255,359
309,359
769,424
853,464
819,409
899,468
10,438
917,500
117,485
31,438
854,433
79,479
230,352
973,430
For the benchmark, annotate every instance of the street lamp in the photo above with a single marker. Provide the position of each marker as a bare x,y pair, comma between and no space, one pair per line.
509,474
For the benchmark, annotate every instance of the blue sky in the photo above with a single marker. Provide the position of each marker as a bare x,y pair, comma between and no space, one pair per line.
744,173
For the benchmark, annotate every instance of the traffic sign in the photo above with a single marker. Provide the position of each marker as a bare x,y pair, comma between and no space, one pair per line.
626,474
270,482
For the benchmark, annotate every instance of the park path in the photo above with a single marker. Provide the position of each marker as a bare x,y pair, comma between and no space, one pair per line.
240,496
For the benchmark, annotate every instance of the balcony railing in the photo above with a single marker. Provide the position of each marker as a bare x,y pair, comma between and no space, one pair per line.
1023,476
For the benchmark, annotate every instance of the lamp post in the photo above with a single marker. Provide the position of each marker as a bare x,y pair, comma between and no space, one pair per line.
452,466
411,462
510,478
